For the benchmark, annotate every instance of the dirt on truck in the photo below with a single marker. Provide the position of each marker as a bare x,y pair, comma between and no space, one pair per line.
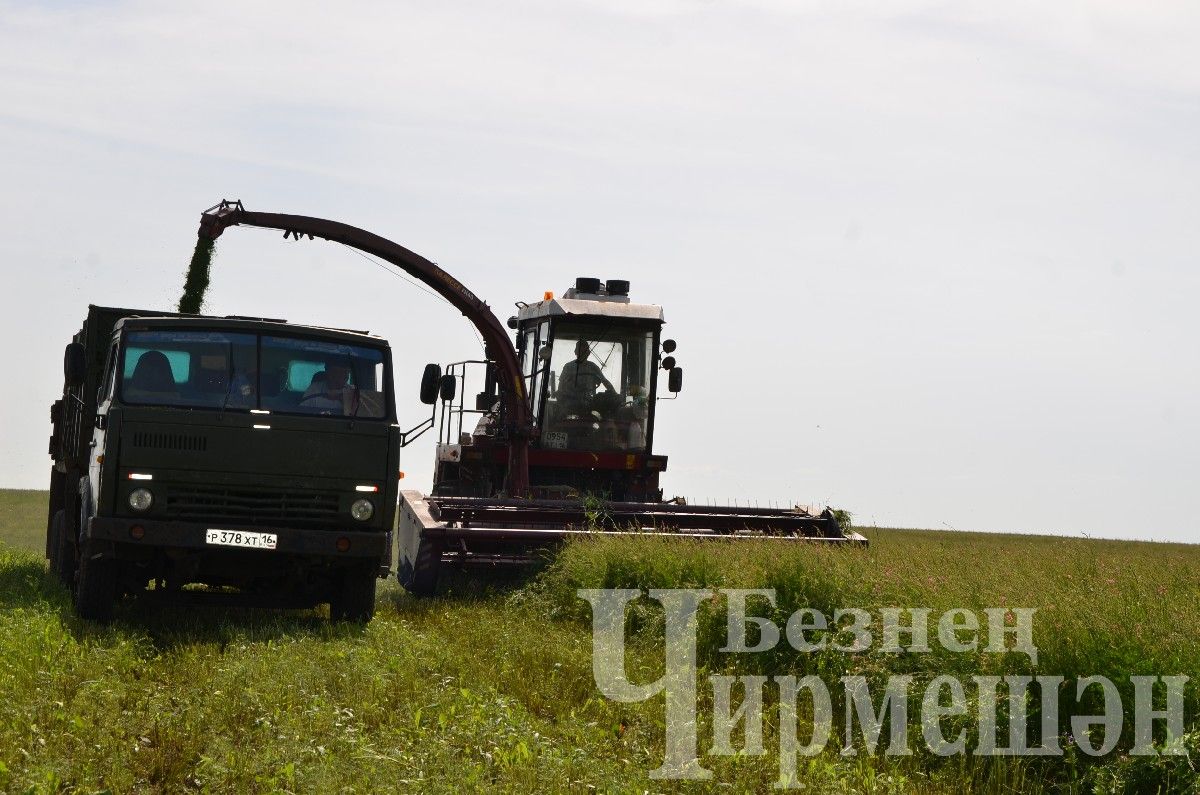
222,460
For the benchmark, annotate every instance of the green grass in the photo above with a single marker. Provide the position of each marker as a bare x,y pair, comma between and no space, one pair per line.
23,519
491,687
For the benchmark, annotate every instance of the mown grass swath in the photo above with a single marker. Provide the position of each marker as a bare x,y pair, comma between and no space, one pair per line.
491,686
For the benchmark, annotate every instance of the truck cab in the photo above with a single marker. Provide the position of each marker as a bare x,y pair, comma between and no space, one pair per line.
250,455
591,364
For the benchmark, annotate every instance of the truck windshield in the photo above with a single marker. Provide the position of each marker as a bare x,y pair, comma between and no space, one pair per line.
226,370
598,388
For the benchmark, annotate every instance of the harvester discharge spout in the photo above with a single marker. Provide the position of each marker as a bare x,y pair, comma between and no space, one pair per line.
517,423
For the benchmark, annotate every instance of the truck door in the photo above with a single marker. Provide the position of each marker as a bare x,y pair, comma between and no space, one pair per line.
104,396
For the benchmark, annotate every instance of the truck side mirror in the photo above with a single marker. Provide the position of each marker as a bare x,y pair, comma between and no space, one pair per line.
449,387
675,379
74,364
430,383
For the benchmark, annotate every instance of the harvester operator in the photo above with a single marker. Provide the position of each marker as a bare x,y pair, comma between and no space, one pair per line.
580,378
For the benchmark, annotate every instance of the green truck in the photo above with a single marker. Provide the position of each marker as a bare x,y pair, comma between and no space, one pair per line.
234,460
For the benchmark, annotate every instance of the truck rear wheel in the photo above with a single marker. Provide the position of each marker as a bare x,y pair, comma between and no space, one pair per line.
96,589
353,598
62,549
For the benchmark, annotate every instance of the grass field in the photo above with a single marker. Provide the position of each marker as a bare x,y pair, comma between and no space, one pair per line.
491,687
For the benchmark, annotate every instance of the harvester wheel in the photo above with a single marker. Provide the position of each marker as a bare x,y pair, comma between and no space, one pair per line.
62,549
353,598
96,588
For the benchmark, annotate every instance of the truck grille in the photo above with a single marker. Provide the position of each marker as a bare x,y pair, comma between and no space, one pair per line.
189,442
252,506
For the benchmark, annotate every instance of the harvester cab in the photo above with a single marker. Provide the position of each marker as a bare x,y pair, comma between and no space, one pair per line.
593,365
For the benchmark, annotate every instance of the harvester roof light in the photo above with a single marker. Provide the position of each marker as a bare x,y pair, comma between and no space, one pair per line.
140,476
548,295
617,286
371,489
586,284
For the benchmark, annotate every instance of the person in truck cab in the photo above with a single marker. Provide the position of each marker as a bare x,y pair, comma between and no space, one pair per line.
329,390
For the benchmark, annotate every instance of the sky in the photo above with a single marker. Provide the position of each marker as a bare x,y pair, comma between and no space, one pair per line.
933,263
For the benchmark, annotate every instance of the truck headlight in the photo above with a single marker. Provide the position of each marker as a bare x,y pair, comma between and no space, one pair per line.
362,510
141,499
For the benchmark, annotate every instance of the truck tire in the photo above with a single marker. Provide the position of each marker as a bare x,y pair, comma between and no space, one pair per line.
96,589
353,598
62,548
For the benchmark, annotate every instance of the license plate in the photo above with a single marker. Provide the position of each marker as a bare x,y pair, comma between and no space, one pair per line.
240,538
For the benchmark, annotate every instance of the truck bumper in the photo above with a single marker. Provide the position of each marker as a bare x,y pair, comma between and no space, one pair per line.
157,534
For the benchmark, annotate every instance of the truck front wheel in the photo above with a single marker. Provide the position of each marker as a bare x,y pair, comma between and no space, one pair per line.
353,597
96,588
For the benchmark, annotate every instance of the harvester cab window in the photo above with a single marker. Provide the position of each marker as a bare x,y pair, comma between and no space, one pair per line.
597,396
196,369
535,361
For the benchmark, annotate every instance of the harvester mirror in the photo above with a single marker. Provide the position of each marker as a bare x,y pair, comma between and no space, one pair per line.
675,379
668,346
430,383
74,364
668,362
448,387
